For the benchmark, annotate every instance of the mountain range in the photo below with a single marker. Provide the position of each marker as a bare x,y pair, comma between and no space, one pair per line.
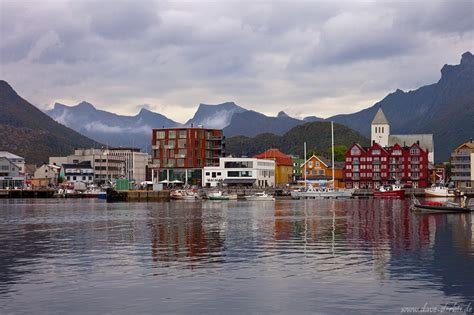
445,108
27,131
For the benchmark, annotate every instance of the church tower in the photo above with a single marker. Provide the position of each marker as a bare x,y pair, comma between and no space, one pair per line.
380,129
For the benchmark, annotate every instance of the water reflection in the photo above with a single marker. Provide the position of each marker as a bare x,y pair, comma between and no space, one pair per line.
357,248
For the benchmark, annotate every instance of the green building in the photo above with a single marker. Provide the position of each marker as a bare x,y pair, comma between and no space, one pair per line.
297,163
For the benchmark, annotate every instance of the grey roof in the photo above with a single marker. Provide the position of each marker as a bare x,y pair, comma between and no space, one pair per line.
426,140
380,118
9,155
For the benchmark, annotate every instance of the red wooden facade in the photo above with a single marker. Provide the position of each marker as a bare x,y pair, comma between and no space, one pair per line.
187,148
375,166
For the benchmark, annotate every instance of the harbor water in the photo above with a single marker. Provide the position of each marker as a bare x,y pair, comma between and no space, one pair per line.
290,256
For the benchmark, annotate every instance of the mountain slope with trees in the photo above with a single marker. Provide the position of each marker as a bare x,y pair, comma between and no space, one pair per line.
28,132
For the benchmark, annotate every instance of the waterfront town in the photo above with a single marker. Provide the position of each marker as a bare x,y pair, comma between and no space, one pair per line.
195,158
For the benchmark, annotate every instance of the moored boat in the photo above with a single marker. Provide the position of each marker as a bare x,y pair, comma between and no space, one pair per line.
442,207
439,191
187,195
390,191
218,195
316,193
259,197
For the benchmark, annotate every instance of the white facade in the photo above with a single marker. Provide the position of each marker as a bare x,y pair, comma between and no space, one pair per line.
240,171
380,129
48,171
135,163
15,159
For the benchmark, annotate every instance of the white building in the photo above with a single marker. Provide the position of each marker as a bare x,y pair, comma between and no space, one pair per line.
380,133
135,163
10,176
15,159
49,172
240,171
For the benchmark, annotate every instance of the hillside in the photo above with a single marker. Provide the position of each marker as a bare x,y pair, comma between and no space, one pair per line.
28,132
445,109
316,134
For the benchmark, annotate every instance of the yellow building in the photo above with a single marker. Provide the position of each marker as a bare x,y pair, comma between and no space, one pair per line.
283,165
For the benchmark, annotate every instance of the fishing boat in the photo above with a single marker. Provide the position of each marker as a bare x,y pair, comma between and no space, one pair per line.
259,197
439,191
444,207
390,191
319,193
181,194
218,195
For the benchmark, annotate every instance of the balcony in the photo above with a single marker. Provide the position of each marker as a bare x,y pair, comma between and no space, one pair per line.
461,162
461,170
461,178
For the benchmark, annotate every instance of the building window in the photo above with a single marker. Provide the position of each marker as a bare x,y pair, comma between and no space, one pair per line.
310,164
414,151
355,151
172,134
208,173
376,152
182,134
321,172
160,135
74,178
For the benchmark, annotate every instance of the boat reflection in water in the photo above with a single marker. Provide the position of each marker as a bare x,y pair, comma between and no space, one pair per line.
291,256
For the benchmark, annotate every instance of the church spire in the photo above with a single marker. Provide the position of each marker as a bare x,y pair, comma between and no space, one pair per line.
380,118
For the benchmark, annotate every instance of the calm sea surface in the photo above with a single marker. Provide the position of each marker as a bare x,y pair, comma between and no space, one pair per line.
327,256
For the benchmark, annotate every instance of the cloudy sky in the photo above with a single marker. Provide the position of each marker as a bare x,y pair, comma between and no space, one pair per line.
305,57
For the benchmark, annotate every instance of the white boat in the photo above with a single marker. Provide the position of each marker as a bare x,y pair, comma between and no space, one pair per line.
259,197
310,192
320,193
187,195
218,195
438,191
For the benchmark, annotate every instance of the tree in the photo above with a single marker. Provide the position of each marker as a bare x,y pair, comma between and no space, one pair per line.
339,152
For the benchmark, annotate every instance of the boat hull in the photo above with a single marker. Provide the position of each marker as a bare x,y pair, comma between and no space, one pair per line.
254,198
440,208
438,194
389,194
320,194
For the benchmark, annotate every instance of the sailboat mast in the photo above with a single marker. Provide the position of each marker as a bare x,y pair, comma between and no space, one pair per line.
305,164
332,142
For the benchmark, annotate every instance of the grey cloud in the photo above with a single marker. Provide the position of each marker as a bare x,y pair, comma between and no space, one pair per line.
311,58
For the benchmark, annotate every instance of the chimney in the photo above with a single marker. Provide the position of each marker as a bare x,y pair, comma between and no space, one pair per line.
373,142
192,125
418,142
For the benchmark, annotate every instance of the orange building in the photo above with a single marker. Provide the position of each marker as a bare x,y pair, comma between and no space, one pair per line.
283,165
318,169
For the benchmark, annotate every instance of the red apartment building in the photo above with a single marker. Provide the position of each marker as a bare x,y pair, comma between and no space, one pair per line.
377,165
181,153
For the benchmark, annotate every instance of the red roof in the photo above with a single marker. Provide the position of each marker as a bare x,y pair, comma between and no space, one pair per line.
275,154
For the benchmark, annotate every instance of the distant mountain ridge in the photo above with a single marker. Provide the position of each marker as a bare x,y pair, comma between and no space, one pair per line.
109,128
27,131
214,116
